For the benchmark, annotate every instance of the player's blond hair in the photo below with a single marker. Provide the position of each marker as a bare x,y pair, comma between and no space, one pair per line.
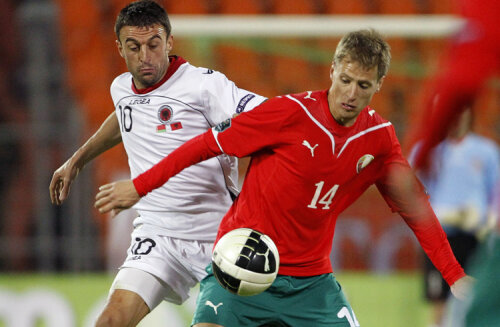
366,47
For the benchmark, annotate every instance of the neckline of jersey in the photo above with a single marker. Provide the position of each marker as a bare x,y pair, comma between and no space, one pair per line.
333,124
175,63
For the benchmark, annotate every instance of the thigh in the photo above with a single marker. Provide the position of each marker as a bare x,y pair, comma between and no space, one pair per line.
146,286
175,263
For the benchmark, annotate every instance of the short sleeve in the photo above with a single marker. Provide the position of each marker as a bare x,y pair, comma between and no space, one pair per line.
222,99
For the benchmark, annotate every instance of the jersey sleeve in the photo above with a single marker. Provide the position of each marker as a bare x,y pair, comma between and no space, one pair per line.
259,129
404,193
243,135
199,148
222,99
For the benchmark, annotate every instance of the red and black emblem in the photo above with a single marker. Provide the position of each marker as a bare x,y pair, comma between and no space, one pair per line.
165,114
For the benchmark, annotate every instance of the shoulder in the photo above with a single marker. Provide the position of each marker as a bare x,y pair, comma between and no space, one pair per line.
122,79
484,144
370,120
381,129
307,98
484,141
202,73
371,117
283,103
304,102
281,108
121,86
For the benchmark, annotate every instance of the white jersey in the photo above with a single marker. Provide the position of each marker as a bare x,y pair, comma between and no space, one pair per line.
154,122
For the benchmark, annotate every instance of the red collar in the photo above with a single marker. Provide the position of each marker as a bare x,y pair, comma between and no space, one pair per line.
175,63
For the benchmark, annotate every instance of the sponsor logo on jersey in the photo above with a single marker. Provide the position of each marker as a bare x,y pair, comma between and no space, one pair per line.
310,147
209,71
223,126
140,101
308,96
165,114
363,162
243,102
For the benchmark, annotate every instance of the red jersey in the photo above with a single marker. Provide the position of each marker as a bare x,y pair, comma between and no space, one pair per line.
305,170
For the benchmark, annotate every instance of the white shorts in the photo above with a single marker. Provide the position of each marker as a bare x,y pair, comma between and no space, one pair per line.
162,267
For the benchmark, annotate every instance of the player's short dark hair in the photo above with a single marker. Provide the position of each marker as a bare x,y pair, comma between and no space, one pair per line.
142,13
367,47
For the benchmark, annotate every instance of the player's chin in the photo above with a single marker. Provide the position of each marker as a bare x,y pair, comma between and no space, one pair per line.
148,80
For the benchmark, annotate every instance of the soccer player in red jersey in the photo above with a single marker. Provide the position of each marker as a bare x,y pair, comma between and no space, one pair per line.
473,58
313,154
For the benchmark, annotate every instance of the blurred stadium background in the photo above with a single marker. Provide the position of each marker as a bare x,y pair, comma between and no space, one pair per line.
57,62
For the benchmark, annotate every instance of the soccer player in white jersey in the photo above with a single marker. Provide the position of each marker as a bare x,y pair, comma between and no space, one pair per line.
162,102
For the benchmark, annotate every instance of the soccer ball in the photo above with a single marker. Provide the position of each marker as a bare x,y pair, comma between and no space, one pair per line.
245,262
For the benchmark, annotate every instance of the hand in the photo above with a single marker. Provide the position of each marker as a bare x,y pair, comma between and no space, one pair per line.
461,288
116,197
61,182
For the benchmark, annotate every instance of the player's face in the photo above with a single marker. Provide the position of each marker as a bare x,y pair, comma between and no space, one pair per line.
352,89
145,50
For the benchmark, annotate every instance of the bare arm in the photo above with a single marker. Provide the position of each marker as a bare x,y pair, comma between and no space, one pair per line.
106,137
121,195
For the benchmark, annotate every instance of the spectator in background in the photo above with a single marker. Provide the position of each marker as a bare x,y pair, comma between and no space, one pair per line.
462,184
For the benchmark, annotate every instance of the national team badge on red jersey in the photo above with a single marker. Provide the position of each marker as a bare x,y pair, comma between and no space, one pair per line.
363,162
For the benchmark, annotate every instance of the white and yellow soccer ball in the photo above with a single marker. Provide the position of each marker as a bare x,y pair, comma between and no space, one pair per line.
245,261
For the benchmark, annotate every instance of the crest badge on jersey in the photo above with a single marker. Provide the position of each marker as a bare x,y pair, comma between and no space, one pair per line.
165,115
363,162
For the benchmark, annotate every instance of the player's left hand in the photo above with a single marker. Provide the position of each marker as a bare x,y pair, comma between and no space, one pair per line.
461,288
116,197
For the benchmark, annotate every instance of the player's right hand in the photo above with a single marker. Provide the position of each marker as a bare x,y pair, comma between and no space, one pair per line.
116,196
61,182
462,287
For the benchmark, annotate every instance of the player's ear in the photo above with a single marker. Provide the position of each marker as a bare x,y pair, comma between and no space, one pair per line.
379,83
332,69
120,48
170,43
